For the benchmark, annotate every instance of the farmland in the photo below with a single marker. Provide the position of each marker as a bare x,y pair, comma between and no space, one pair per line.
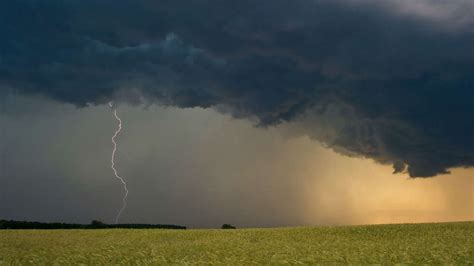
407,243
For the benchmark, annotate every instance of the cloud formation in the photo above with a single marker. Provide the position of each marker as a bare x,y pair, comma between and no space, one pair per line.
390,81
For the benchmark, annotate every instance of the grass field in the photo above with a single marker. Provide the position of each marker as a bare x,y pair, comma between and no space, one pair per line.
410,243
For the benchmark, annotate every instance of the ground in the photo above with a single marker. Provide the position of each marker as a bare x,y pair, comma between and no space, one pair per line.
410,243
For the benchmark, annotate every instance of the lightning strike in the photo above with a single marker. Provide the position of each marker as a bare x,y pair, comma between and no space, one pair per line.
112,160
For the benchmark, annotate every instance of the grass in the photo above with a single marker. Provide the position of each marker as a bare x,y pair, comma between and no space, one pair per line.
410,243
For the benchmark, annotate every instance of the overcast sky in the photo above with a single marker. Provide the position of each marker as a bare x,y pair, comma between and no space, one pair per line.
256,113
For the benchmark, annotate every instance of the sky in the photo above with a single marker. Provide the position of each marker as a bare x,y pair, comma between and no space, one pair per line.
254,113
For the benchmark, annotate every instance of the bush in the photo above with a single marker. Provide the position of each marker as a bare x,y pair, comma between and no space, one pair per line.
227,226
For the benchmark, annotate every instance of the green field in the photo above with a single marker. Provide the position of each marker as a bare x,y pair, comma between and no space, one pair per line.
410,243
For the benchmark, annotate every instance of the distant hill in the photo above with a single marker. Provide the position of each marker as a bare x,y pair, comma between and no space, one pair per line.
4,224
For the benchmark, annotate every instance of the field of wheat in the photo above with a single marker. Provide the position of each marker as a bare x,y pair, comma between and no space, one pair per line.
408,243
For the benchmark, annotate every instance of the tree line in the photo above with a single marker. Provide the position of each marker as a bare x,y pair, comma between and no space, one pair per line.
5,224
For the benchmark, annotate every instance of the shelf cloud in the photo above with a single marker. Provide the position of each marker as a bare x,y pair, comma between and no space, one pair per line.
390,81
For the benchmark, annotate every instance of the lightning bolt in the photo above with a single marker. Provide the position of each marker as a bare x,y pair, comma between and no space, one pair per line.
112,160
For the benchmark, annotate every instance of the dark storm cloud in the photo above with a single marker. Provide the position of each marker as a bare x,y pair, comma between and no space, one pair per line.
391,81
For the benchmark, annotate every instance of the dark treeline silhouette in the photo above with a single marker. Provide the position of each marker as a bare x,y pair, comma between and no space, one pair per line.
4,224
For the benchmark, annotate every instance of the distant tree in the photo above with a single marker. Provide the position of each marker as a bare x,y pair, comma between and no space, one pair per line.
97,224
228,226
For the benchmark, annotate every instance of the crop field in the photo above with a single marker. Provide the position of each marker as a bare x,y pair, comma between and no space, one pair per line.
408,243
